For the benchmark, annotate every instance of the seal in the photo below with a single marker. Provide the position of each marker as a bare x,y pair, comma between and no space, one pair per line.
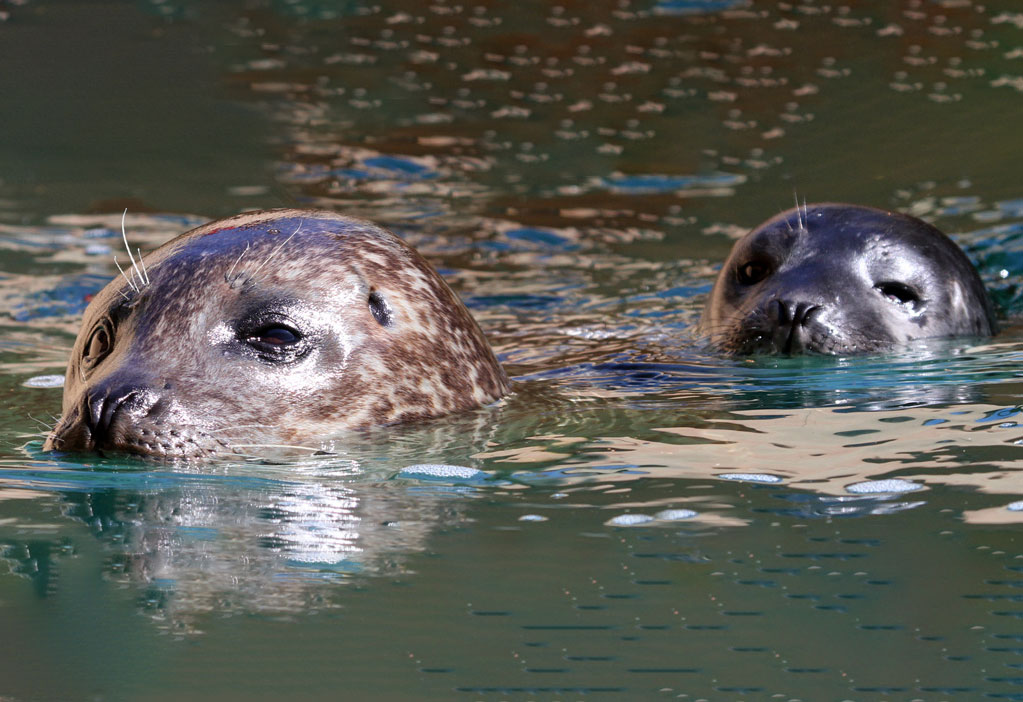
270,328
842,279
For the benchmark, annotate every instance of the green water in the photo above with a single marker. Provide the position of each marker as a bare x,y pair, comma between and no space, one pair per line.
641,519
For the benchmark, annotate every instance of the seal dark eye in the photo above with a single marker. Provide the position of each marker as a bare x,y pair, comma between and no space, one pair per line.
380,309
99,345
275,336
752,272
899,293
277,343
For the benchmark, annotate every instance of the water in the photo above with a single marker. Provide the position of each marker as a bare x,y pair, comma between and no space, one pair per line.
641,519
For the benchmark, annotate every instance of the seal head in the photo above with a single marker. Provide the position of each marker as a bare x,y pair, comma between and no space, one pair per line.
270,328
843,279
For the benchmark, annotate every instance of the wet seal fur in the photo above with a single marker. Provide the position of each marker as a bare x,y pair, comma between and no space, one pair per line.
843,279
270,328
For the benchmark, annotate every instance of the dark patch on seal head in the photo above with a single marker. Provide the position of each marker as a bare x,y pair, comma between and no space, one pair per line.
843,279
270,328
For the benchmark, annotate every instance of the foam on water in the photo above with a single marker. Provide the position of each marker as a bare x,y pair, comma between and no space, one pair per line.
751,477
45,381
638,519
629,520
441,471
674,515
871,487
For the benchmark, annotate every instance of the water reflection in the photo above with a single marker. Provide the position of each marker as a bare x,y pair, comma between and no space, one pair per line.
240,537
279,538
219,545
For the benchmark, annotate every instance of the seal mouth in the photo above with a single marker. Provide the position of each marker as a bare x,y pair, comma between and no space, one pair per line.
781,328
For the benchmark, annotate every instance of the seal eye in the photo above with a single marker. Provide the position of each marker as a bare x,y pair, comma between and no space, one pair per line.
899,293
380,309
275,336
277,343
752,272
99,345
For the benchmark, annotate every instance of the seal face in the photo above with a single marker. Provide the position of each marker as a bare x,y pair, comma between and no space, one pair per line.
843,279
270,328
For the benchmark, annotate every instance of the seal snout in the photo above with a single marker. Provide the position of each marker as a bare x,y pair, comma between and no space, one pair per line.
110,411
791,323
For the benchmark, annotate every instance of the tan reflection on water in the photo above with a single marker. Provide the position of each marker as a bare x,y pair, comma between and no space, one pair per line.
819,449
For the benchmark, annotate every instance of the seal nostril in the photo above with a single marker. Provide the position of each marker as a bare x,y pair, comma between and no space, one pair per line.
106,408
790,324
806,313
380,309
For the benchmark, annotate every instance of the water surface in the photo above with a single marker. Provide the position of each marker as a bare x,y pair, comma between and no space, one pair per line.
642,518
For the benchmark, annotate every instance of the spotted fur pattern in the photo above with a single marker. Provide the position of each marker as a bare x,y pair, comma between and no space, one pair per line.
180,379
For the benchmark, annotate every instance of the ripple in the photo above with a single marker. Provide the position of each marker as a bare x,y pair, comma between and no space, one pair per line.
655,183
695,7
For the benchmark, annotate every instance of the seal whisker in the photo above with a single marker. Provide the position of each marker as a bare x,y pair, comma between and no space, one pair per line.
124,235
47,426
788,223
799,213
312,449
131,283
224,433
278,248
228,276
142,263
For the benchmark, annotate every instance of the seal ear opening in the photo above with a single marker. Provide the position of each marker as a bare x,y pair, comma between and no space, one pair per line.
380,309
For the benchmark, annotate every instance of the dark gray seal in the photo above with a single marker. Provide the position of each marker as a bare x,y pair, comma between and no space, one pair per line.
270,328
843,279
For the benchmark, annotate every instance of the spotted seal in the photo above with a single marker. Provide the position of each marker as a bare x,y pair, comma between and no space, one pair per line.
270,328
843,279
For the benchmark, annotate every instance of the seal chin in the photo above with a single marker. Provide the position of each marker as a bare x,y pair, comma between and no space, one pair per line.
71,434
752,341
